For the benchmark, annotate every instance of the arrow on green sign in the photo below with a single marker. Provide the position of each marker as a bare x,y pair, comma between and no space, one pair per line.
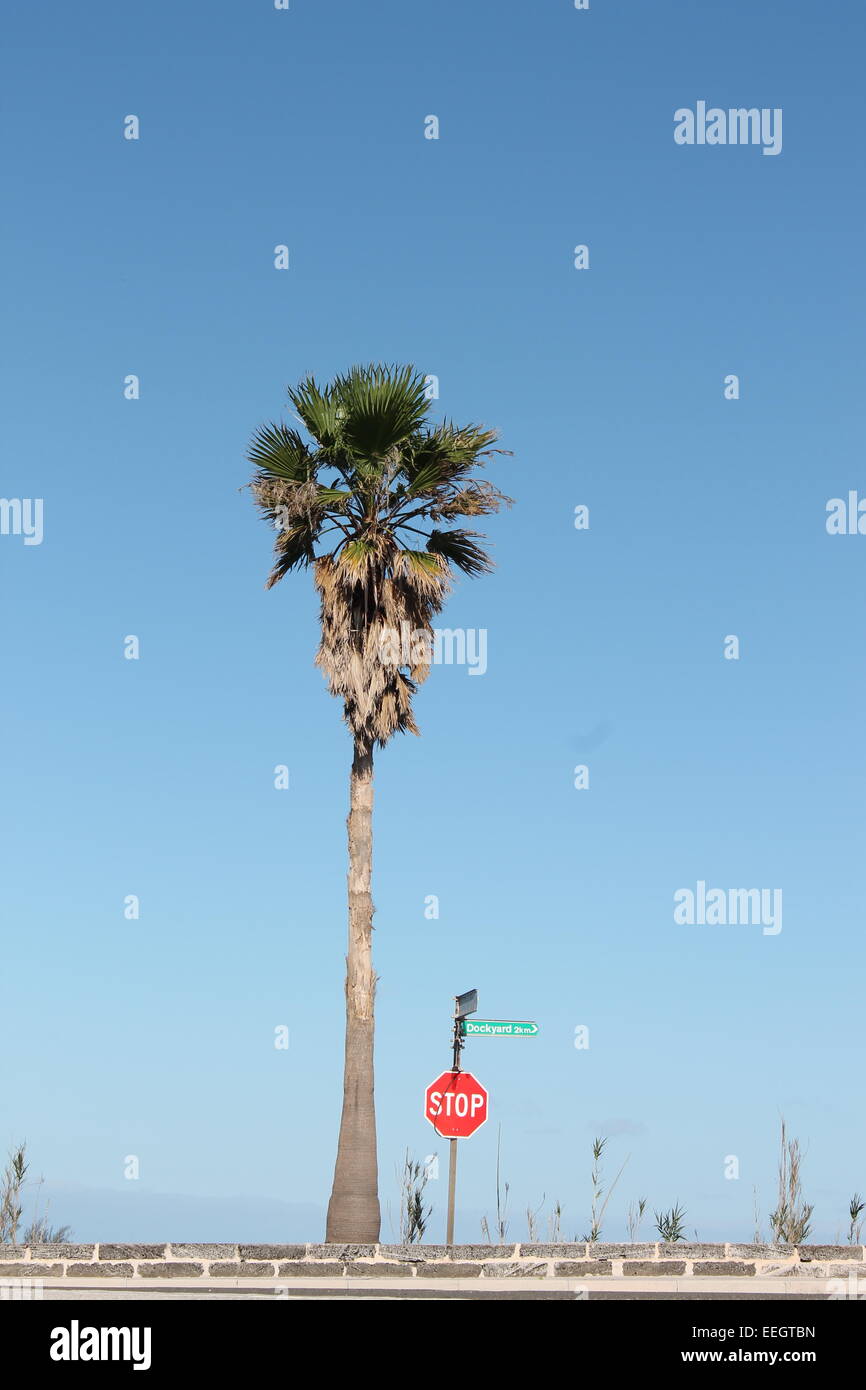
499,1028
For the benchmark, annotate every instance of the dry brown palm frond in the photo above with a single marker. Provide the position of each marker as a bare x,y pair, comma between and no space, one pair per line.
362,612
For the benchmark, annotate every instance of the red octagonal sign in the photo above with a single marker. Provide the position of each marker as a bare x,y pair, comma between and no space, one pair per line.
455,1104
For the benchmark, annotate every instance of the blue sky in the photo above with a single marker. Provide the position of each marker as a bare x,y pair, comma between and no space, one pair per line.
154,777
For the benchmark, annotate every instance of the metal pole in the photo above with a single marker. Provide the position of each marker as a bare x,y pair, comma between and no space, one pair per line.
452,1187
458,1040
452,1159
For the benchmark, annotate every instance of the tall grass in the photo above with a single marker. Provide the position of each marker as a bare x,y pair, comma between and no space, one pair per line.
13,1180
414,1215
600,1194
11,1186
635,1217
671,1224
532,1220
855,1207
501,1200
791,1222
554,1223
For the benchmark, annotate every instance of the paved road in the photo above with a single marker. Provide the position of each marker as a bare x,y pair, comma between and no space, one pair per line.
390,1290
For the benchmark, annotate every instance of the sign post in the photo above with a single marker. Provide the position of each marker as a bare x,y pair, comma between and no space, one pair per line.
452,1192
463,1004
455,1103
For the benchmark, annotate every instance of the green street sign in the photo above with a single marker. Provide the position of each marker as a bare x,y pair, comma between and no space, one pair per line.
498,1028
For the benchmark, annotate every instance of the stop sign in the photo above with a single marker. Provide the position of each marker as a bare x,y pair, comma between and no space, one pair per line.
455,1104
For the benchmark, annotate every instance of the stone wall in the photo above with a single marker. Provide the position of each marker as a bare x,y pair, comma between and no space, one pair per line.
188,1262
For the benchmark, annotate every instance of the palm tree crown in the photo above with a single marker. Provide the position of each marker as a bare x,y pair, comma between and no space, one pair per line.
368,503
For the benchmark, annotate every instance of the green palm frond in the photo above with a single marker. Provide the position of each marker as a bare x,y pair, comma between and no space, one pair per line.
422,564
427,478
380,408
294,548
333,496
281,452
319,410
443,455
459,548
357,553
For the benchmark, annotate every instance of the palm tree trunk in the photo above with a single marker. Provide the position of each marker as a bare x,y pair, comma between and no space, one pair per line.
353,1211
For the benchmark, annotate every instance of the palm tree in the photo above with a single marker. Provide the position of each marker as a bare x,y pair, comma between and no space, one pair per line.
362,502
